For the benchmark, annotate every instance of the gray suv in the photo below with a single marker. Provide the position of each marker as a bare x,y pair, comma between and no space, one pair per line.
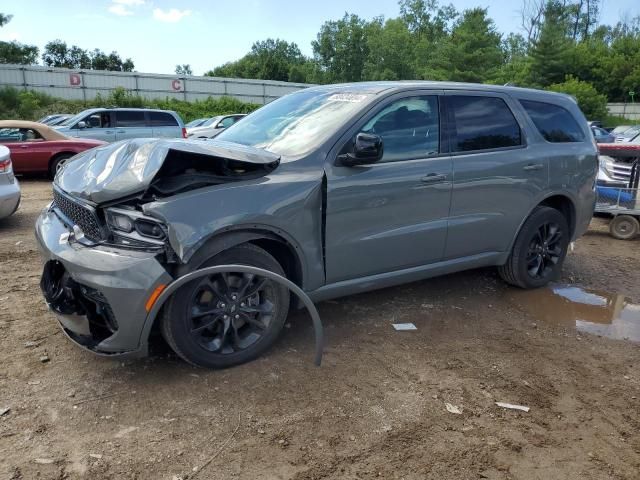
340,189
113,124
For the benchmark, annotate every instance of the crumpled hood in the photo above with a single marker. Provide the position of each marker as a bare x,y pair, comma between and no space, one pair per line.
126,168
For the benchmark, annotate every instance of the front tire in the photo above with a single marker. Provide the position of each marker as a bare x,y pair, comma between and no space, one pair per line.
224,320
539,250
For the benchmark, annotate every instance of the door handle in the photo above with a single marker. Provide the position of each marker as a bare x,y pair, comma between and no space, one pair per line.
120,131
433,178
533,166
24,146
108,132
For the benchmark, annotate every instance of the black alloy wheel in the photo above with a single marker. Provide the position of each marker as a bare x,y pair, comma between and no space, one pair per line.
226,319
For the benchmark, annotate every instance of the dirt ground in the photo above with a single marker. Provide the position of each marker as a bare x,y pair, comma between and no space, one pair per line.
376,407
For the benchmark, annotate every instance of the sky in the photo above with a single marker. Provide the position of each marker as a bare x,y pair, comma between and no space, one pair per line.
159,34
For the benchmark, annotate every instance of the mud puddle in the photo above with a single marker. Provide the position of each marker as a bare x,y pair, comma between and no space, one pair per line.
590,311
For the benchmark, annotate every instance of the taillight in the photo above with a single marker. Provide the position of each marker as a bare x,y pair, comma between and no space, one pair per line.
5,165
184,132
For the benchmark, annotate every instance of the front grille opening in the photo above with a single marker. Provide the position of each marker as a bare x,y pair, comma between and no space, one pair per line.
84,216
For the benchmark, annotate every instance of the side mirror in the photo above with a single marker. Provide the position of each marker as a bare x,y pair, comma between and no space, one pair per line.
367,149
82,125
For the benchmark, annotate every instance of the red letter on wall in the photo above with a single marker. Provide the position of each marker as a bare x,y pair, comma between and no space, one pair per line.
75,79
176,85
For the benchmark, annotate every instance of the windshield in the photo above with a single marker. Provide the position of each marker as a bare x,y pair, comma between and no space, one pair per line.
632,132
73,119
210,121
296,123
195,123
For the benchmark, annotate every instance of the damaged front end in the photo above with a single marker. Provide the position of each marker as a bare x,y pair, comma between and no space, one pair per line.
104,254
101,194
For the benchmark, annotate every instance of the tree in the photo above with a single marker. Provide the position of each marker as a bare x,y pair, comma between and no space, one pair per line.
592,104
14,52
270,59
341,49
473,52
550,52
4,19
58,54
426,19
184,69
390,47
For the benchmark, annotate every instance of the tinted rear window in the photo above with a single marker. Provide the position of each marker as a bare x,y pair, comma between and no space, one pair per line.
483,123
553,122
162,119
130,118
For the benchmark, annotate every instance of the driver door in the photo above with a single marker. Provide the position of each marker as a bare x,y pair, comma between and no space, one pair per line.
99,126
390,215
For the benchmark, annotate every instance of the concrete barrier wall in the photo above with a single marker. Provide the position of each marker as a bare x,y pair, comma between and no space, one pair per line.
86,84
629,110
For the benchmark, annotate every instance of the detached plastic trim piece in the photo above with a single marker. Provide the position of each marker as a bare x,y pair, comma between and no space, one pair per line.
203,272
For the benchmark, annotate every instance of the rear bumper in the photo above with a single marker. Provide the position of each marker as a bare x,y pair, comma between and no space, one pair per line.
9,198
98,294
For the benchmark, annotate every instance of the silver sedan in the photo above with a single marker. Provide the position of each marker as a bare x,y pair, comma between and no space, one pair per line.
9,186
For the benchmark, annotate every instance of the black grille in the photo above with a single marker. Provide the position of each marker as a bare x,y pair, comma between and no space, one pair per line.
81,215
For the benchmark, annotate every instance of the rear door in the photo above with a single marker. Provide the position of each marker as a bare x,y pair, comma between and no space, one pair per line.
497,176
390,215
132,124
164,125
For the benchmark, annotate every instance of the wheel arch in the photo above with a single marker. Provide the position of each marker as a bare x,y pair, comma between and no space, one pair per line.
559,201
275,242
57,155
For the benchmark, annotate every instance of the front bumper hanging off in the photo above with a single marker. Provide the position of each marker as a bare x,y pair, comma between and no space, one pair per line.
107,300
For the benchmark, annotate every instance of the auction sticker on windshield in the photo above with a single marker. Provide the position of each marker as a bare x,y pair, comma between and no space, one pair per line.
347,97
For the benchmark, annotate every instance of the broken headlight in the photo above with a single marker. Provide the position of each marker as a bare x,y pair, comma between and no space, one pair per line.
131,228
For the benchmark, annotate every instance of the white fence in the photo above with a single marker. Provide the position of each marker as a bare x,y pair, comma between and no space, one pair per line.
628,110
86,84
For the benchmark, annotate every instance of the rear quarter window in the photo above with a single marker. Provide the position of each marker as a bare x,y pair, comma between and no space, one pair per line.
554,122
483,123
162,119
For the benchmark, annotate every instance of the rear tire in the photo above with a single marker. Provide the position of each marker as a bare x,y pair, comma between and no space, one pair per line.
539,250
241,328
624,227
57,163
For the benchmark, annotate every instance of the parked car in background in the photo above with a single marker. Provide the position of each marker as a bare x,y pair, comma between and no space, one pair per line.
47,120
9,186
340,188
37,148
214,126
620,129
59,120
602,136
112,124
195,123
628,134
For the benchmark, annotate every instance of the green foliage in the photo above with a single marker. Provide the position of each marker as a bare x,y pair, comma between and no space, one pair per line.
31,105
341,49
472,53
268,60
592,104
14,52
58,54
184,69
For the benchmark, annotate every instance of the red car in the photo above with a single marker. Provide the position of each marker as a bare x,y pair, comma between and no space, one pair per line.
36,148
